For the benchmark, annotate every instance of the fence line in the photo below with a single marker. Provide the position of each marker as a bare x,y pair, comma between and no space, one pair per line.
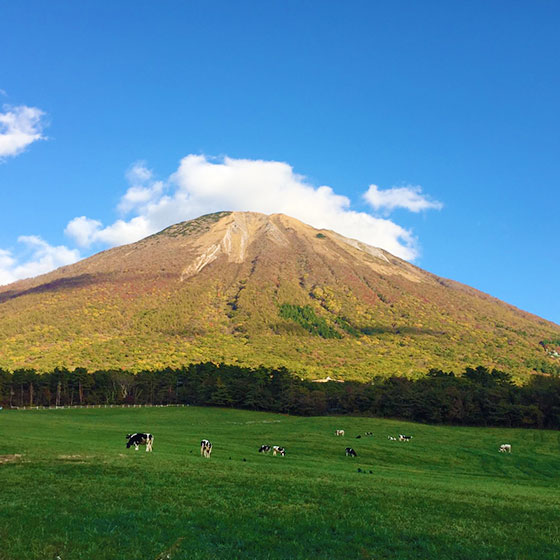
95,406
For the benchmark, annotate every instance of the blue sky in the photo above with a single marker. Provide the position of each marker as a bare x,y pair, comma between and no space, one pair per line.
117,118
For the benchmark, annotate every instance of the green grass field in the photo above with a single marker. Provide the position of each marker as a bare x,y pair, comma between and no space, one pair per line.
69,488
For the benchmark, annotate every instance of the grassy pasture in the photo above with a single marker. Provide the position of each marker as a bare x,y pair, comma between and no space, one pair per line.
69,488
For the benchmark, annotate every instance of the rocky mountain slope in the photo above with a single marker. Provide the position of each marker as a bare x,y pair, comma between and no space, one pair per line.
253,289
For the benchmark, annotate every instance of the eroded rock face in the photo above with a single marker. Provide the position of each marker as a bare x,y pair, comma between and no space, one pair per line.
233,234
231,237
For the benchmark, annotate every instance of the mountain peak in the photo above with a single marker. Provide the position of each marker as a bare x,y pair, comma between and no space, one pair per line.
251,288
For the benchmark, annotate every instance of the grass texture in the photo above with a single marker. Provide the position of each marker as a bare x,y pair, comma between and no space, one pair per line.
70,490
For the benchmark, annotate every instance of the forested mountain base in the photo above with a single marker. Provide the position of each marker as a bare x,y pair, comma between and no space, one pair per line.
477,397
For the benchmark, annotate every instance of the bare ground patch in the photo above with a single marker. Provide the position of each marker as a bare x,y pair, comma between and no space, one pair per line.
4,459
74,458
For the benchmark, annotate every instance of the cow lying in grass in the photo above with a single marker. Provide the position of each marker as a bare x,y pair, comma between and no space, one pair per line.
140,439
205,448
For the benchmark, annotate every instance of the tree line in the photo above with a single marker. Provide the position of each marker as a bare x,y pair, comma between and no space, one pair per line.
476,397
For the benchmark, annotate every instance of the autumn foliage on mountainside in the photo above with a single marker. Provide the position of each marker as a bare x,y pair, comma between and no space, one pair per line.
250,289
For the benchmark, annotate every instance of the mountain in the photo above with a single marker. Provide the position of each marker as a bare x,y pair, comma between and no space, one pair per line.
252,289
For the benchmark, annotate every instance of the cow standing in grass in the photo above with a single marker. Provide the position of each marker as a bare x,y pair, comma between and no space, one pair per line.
265,449
277,449
339,433
505,448
350,452
140,439
205,448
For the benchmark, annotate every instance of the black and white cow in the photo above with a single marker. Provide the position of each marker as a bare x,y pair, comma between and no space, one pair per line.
205,448
402,437
265,449
140,439
350,452
277,449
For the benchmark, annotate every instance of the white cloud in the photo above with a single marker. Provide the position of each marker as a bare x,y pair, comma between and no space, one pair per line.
139,196
410,198
142,190
19,127
202,185
82,230
138,173
122,232
7,263
36,257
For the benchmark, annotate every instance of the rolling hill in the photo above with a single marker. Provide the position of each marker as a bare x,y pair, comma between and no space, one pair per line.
252,289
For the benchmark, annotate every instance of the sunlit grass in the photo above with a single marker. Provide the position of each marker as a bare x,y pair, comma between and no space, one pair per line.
76,492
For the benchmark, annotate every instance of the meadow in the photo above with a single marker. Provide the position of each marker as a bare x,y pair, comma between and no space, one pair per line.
69,488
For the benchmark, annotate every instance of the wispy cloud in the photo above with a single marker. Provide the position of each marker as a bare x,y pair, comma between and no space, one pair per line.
33,256
143,189
409,197
19,127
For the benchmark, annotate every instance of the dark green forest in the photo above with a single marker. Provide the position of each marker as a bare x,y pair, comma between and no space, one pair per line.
476,397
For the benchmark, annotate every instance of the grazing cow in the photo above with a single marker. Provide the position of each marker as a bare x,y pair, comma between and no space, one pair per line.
205,448
505,448
278,449
265,449
391,438
140,439
402,437
350,452
339,433
369,433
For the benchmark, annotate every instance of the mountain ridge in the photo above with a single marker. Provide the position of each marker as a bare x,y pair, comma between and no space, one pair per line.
249,288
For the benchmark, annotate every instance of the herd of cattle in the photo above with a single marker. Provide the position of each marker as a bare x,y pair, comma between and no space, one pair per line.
276,450
138,439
